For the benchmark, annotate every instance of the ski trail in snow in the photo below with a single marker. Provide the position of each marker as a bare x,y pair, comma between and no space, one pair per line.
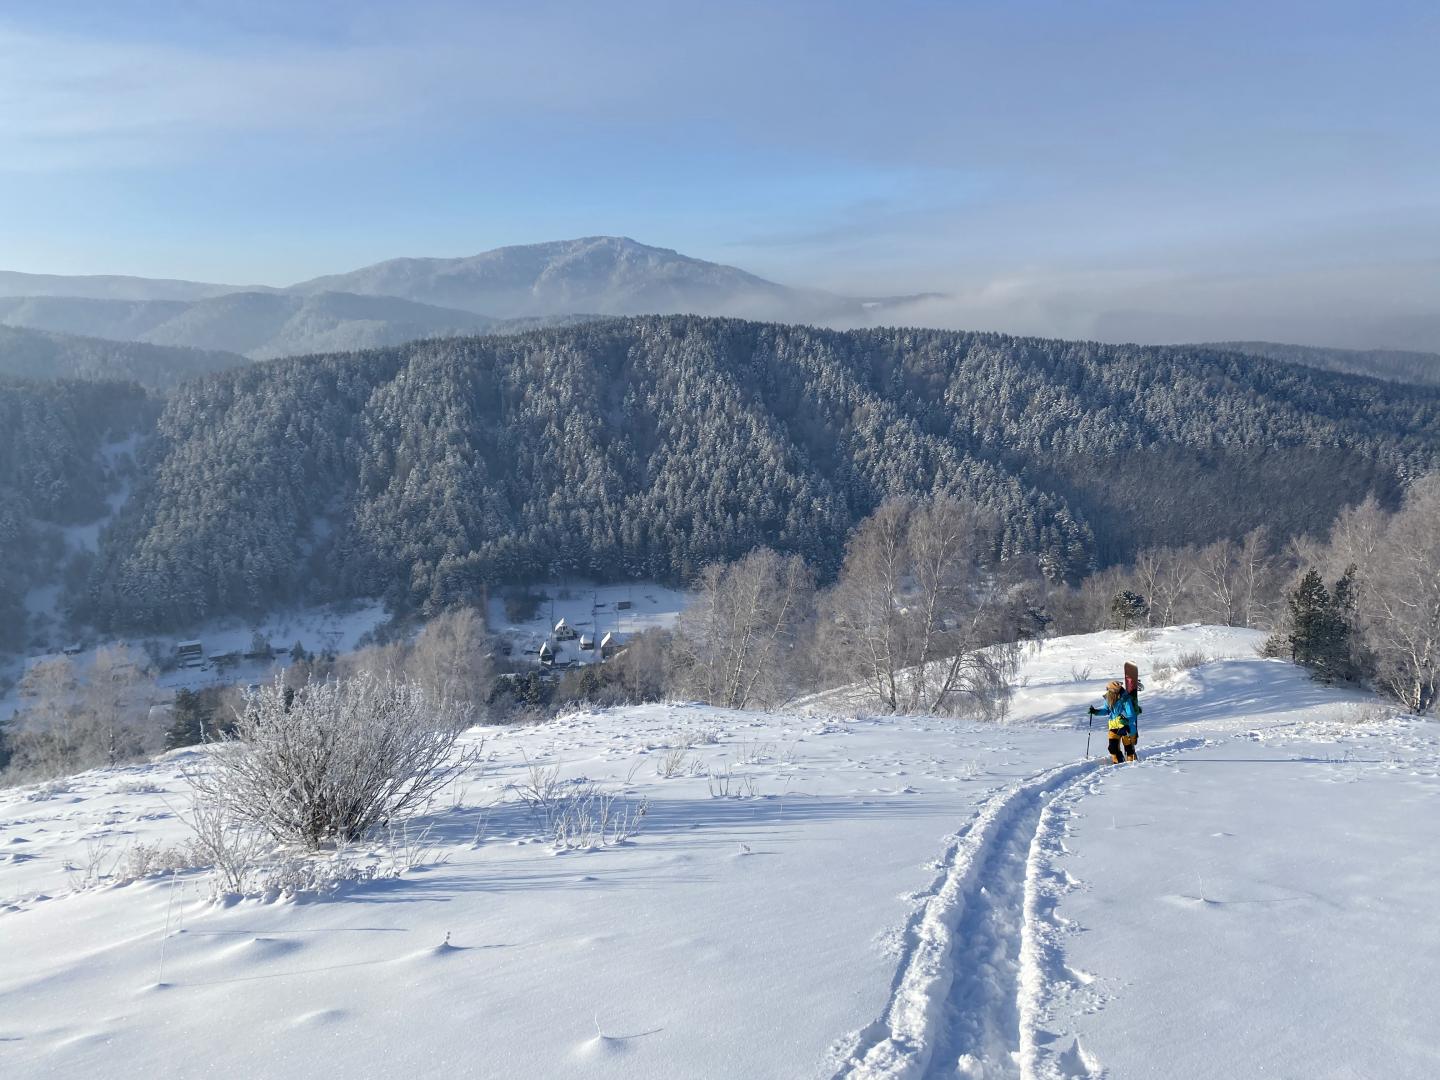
982,958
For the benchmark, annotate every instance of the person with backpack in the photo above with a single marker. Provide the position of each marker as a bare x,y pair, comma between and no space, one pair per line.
1124,727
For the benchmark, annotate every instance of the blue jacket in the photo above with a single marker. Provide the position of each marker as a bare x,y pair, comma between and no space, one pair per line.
1126,711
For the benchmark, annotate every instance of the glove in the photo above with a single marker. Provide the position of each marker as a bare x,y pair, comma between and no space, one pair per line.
1094,711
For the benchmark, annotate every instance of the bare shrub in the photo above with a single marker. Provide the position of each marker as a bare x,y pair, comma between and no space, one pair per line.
94,867
138,787
225,840
142,860
1080,674
338,760
579,813
1367,713
1187,660
590,816
753,751
726,783
540,789
51,790
295,873
676,762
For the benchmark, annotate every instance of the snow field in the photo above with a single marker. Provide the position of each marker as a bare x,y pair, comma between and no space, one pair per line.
913,897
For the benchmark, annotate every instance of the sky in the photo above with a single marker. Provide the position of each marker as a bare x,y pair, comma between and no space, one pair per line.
1124,170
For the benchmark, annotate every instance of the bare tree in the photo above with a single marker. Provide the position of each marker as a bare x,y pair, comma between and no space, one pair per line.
867,610
916,607
1217,575
450,660
953,610
1148,568
1258,579
113,704
46,740
1399,597
1164,576
735,641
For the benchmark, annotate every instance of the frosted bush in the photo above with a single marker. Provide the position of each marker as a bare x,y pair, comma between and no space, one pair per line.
335,760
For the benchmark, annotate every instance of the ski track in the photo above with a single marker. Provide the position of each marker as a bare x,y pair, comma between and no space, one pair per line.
984,956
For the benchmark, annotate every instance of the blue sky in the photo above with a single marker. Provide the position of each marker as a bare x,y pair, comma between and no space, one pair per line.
1060,167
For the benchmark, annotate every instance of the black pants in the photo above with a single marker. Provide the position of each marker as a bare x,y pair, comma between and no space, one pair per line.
1120,751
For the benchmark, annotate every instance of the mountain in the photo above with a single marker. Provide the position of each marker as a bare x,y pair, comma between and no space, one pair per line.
647,447
264,325
37,354
1420,368
259,325
607,275
108,287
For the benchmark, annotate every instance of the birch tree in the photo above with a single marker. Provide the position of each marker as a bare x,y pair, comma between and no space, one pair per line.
1400,600
736,641
917,609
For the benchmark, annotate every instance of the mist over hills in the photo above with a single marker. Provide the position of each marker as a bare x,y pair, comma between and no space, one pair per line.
110,287
258,325
1420,368
407,299
511,289
42,355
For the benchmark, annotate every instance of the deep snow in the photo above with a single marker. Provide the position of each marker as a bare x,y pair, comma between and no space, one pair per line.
885,897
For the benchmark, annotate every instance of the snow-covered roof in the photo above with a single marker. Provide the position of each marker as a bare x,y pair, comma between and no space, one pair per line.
608,639
560,625
188,645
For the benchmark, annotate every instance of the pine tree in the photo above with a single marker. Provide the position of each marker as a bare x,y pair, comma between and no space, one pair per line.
1309,605
1127,608
1322,626
187,723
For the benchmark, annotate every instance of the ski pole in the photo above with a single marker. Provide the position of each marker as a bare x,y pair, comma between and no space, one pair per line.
1088,732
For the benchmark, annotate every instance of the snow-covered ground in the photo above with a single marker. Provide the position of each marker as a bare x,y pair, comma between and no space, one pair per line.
593,610
876,897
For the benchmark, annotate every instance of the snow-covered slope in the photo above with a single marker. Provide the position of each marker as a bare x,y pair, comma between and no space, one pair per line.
878,897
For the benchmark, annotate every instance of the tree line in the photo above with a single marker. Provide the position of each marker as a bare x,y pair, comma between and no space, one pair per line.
922,617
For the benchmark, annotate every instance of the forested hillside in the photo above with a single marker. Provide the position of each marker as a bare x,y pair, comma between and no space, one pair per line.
52,473
1421,368
36,354
649,446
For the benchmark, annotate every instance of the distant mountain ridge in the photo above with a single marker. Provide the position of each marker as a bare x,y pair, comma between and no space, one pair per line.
112,287
405,299
608,275
257,325
1395,365
42,355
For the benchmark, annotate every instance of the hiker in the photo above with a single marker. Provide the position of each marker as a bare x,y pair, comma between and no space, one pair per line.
1124,714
